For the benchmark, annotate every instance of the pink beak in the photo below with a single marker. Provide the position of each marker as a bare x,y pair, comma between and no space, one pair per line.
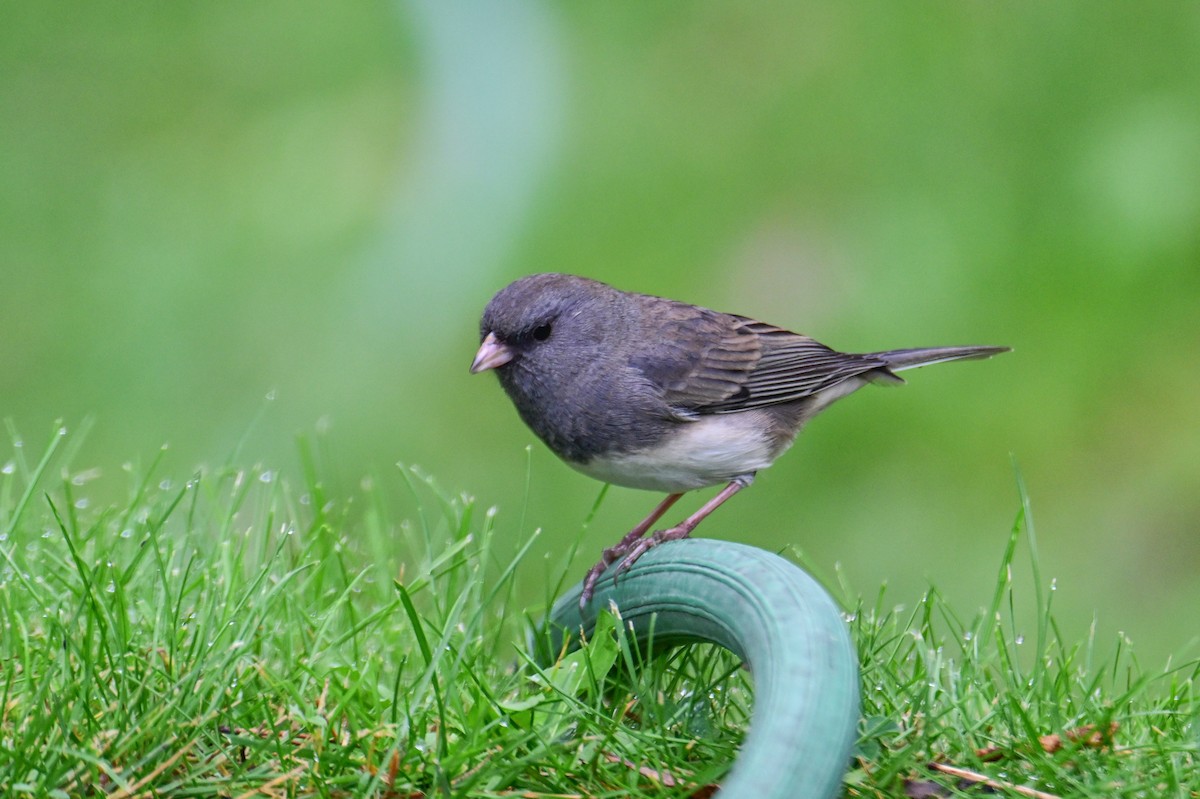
491,354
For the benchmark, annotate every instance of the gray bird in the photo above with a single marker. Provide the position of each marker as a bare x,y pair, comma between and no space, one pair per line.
646,392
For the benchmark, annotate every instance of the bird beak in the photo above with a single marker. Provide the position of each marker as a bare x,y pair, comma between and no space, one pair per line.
491,354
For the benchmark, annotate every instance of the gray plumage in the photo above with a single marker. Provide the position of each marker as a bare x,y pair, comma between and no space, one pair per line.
620,372
651,393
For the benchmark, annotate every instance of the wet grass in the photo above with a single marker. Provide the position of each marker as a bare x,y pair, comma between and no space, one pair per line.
232,633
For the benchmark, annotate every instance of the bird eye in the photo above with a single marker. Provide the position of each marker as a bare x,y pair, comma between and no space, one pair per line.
541,332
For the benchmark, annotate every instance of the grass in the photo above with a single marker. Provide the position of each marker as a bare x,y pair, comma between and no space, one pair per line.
229,634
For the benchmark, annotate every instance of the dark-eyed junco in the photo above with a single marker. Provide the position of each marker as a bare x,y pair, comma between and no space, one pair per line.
651,393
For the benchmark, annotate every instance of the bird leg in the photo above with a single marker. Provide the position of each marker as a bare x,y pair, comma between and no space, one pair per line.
681,530
633,545
621,547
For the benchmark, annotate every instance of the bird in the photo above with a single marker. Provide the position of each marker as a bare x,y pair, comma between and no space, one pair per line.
652,393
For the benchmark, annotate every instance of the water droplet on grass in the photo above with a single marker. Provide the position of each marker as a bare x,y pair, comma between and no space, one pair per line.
86,476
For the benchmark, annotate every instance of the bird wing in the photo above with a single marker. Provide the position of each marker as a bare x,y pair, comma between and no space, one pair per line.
708,362
792,367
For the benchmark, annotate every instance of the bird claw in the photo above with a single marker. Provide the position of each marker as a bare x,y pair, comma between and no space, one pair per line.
628,554
593,576
589,583
636,551
648,543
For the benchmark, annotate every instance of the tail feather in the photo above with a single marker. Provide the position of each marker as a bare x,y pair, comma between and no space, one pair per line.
898,360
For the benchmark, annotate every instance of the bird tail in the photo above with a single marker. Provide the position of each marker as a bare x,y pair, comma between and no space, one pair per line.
898,360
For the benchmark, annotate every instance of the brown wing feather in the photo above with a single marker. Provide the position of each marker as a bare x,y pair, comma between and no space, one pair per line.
699,358
791,367
711,362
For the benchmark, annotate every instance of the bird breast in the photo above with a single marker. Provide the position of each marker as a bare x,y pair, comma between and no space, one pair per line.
709,451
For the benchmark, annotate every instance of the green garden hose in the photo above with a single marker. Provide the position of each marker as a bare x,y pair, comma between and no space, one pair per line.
774,616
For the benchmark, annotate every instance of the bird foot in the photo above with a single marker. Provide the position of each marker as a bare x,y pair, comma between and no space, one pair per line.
607,558
630,551
644,545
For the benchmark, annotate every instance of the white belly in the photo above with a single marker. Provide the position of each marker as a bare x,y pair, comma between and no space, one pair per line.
707,452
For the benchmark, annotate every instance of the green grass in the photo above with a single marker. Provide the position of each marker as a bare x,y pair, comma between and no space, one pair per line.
233,633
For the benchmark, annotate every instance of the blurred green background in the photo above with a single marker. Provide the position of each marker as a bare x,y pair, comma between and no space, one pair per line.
204,203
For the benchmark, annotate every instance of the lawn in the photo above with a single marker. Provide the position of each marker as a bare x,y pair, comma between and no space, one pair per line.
240,631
